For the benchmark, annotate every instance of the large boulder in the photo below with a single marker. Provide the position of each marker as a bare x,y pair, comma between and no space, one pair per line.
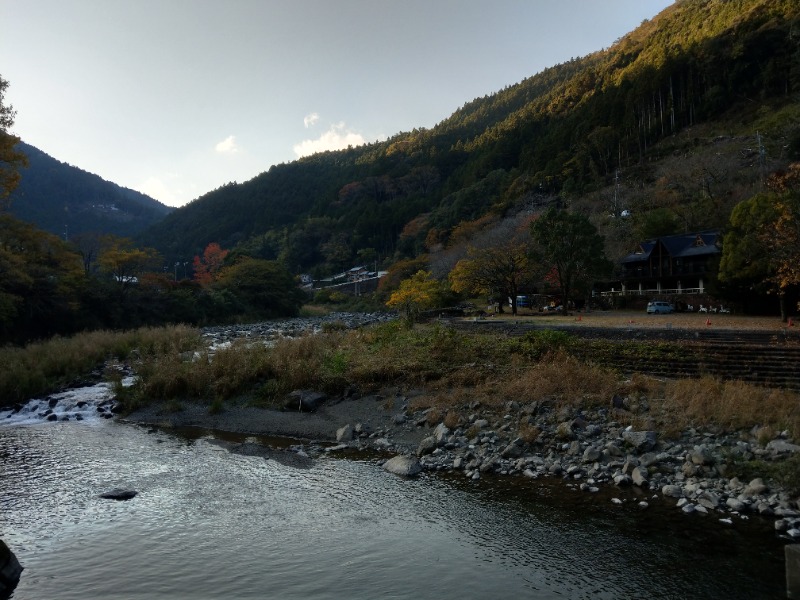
407,466
10,570
305,400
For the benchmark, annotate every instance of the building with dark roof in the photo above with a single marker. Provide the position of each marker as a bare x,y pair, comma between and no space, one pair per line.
674,264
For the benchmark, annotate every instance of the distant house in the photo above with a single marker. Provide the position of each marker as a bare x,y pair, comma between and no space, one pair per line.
674,264
358,273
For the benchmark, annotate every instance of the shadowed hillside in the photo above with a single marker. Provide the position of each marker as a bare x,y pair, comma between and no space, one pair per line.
66,200
660,122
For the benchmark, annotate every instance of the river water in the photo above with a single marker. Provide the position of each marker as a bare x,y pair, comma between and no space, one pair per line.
210,524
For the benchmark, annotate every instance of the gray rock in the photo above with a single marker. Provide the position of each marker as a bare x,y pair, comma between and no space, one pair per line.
639,476
622,479
305,400
512,451
440,433
344,434
735,505
755,488
672,491
640,440
119,494
407,466
10,570
700,456
592,430
564,431
591,454
709,500
488,464
614,450
764,509
782,447
426,446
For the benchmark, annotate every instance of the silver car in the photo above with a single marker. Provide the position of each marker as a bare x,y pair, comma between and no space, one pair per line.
658,307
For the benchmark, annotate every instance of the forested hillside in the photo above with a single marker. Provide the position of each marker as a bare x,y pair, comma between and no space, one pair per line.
66,200
675,123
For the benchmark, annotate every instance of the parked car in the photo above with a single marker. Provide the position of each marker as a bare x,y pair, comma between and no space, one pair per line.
523,302
657,307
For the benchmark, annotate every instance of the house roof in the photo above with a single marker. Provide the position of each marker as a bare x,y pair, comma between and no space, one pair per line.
678,246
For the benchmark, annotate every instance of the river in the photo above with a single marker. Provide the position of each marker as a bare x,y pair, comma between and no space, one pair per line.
210,524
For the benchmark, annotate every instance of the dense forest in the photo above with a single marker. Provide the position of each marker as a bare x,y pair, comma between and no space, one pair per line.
66,200
709,81
691,122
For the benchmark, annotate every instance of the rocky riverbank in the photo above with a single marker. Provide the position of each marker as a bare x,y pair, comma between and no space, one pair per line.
589,450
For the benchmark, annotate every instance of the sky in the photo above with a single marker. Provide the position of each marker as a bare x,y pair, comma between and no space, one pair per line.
175,98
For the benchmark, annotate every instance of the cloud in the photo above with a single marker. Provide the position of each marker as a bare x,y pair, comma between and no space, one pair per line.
310,120
336,138
156,188
227,146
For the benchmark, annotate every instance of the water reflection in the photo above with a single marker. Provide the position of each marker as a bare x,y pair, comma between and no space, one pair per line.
209,523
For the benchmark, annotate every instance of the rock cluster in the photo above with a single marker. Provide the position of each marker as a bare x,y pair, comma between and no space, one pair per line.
271,330
591,449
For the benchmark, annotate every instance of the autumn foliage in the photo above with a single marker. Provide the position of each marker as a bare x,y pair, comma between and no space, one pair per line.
207,267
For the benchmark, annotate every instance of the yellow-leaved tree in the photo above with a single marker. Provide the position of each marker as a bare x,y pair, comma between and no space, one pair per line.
415,294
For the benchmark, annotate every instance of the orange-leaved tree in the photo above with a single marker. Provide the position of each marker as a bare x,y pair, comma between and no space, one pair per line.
207,267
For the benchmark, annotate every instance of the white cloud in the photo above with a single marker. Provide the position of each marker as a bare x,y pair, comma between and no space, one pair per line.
310,120
336,138
156,188
227,146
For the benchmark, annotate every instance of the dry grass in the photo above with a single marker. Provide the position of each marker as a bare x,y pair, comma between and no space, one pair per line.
711,403
563,379
43,367
456,369
732,405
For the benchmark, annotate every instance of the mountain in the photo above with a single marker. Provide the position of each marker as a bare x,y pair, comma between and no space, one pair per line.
676,121
66,200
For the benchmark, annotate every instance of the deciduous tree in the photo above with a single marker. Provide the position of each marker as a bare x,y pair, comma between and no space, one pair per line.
415,294
10,159
207,267
261,288
761,250
569,244
40,279
498,271
125,263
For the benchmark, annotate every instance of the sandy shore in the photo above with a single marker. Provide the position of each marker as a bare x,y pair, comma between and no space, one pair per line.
376,413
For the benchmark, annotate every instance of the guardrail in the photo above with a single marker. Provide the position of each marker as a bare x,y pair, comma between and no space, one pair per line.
655,292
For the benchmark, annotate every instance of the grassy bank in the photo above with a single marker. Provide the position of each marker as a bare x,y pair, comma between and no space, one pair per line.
456,370
43,367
